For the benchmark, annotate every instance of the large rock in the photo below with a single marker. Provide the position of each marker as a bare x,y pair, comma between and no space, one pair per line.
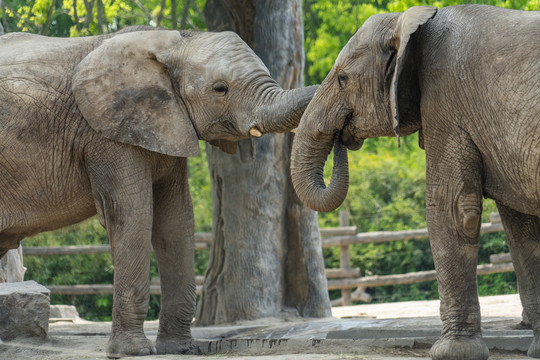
24,310
63,313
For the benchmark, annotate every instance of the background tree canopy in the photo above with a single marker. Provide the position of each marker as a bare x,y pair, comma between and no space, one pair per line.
386,186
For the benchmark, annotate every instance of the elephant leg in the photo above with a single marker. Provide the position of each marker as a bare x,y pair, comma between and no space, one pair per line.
122,190
173,242
523,235
453,214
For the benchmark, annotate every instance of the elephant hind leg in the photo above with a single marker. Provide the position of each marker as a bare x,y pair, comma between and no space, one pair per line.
173,242
8,242
523,234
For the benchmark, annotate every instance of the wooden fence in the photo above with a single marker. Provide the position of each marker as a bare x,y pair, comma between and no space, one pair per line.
345,278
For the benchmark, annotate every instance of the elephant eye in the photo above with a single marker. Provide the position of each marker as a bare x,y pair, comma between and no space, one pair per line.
341,78
221,87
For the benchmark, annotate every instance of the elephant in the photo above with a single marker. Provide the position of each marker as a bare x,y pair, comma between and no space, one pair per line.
467,79
105,124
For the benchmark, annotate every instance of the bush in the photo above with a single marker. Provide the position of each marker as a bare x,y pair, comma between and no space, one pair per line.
77,269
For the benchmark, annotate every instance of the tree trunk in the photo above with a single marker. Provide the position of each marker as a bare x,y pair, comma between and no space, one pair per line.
3,19
266,258
174,20
11,266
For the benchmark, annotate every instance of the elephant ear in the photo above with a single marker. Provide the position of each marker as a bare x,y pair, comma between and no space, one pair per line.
124,91
404,100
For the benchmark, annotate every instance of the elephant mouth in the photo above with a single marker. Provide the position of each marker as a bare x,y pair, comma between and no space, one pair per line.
348,137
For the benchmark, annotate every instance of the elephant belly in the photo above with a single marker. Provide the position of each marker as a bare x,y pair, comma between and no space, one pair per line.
515,188
35,197
19,221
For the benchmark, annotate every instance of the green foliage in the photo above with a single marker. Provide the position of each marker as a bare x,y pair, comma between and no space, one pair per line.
46,17
71,270
399,6
201,190
386,192
330,24
387,185
328,27
91,17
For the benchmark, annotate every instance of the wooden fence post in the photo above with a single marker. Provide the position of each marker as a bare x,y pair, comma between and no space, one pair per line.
345,258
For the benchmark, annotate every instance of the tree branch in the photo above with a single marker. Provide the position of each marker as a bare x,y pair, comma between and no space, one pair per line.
160,15
185,14
174,20
145,11
101,21
89,5
76,16
45,28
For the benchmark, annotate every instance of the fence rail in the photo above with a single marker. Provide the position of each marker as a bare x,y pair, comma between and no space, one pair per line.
344,278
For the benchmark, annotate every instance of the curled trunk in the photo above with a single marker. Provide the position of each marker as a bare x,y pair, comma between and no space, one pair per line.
307,163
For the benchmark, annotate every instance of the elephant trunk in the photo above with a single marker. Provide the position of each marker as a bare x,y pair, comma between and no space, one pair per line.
308,157
283,109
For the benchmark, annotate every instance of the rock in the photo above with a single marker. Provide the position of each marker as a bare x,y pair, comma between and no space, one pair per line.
24,310
63,312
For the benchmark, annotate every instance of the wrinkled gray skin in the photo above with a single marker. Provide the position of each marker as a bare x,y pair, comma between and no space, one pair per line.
104,124
467,78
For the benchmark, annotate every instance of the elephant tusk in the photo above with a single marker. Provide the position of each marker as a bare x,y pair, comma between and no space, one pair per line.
255,132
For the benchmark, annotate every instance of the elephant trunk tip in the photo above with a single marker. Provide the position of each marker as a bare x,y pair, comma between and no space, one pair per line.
308,178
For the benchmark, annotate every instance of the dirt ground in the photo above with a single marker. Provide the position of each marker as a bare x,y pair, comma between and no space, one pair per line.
403,330
490,306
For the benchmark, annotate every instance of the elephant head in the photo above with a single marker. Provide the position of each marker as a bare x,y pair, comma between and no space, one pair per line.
165,90
371,91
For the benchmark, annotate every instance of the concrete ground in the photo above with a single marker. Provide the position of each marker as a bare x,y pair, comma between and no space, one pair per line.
403,330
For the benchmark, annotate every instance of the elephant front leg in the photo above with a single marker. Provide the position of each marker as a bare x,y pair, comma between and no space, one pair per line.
453,214
455,253
523,235
173,242
122,190
131,258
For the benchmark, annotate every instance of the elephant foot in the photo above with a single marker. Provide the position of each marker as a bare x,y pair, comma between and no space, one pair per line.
175,345
534,349
459,348
126,345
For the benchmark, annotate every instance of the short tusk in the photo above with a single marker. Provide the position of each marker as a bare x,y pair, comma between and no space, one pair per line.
293,131
255,132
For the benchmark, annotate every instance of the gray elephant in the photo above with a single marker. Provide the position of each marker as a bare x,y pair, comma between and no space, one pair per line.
468,79
105,124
